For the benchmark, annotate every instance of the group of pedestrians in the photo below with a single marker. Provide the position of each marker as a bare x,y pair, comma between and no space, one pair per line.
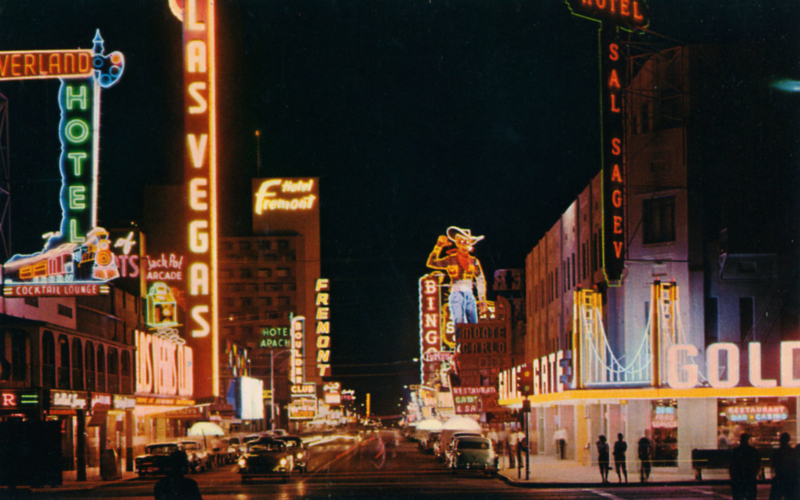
746,466
645,452
513,442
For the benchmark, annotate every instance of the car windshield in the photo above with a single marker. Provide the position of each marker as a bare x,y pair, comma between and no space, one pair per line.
161,449
293,442
265,446
235,441
434,437
473,445
191,446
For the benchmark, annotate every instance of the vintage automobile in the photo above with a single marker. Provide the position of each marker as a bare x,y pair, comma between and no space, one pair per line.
449,439
473,453
199,458
427,443
266,457
299,451
156,458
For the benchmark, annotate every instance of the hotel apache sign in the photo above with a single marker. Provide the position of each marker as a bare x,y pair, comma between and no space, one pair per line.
78,258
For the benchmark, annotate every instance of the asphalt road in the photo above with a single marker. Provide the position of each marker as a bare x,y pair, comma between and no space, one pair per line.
382,466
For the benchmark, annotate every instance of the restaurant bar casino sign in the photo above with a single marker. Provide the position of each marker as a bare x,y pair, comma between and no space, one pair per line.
614,16
78,257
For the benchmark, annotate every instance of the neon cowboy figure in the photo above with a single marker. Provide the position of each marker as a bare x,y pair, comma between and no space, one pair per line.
463,269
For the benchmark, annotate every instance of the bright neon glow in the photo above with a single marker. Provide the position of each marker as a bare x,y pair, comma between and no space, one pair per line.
630,14
298,331
39,64
163,366
164,268
322,288
162,310
787,364
267,199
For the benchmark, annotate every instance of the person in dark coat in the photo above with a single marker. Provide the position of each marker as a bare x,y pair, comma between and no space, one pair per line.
603,458
784,471
175,486
620,447
745,466
645,452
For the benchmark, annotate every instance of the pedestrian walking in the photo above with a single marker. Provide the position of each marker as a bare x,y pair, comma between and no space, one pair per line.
560,438
603,458
513,442
175,486
784,471
744,469
620,447
492,435
645,452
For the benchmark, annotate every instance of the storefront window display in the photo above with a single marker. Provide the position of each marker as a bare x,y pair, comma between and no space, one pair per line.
664,421
763,418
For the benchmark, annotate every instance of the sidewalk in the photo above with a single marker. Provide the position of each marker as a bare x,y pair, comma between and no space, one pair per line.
548,471
70,481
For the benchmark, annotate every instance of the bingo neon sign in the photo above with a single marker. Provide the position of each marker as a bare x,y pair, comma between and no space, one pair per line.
80,252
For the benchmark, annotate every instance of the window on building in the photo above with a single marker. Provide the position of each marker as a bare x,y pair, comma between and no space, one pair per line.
746,315
245,246
557,283
595,253
247,331
265,301
32,301
227,245
48,360
264,245
659,220
229,273
89,363
19,355
64,310
711,319
252,287
644,118
283,301
265,272
247,301
63,365
77,365
283,245
230,301
283,272
574,271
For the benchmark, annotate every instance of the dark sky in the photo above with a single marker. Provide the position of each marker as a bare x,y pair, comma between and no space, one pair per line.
415,115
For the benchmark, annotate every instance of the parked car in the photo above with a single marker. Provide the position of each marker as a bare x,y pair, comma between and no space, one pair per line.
448,444
199,458
235,447
426,444
156,458
473,453
266,457
299,451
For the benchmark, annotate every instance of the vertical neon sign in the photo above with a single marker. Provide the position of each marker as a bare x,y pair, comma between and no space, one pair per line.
201,176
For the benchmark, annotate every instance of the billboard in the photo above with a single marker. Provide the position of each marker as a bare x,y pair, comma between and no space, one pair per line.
78,257
249,398
200,167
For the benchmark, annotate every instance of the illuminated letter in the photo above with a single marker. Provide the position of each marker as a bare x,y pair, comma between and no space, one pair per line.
197,315
545,375
197,149
323,313
323,328
83,131
76,162
559,372
636,14
323,356
73,232
323,342
194,91
54,68
77,197
616,147
616,198
613,81
617,224
196,56
615,175
713,365
614,56
323,369
614,107
431,337
787,364
8,399
674,367
754,354
198,240
80,98
601,4
536,378
196,194
322,299
263,193
623,8
192,24
198,280
322,284
430,286
618,248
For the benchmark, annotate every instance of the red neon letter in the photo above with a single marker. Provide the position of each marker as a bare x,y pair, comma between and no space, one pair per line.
614,49
617,224
30,60
616,199
616,147
623,7
614,107
8,400
601,4
613,80
615,175
15,65
618,248
636,14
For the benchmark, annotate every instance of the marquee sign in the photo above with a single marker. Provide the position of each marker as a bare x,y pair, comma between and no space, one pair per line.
200,166
302,408
78,258
323,326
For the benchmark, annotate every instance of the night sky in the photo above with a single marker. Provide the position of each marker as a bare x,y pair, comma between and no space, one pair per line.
416,115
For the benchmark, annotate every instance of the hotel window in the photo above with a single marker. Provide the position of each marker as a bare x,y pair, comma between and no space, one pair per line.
283,245
659,220
283,301
283,272
247,301
265,272
265,301
227,245
264,245
244,245
32,301
64,310
245,273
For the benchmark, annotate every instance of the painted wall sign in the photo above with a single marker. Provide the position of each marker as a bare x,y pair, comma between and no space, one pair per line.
323,317
79,252
200,160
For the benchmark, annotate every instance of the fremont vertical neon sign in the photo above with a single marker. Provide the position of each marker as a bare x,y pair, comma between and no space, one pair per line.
201,183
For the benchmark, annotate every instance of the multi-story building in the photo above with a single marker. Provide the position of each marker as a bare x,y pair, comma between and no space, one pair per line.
711,207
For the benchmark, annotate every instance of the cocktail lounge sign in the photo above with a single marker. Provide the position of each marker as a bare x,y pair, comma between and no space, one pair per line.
723,366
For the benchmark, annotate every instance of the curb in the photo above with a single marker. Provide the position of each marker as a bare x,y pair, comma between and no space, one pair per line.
553,485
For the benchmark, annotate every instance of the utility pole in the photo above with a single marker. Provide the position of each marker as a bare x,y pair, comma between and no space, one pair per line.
258,152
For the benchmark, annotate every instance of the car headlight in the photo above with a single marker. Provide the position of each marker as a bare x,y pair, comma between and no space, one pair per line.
242,462
283,461
300,455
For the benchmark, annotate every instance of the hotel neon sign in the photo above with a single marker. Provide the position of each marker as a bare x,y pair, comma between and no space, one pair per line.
78,258
323,326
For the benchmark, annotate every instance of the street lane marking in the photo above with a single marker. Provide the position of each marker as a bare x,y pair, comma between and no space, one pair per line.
604,494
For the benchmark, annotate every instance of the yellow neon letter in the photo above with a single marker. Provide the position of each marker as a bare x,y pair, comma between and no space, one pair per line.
196,56
197,315
198,279
198,239
202,104
197,194
197,149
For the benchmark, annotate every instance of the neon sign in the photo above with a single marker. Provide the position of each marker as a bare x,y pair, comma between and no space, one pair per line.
162,366
323,326
629,13
200,162
275,337
79,253
162,309
757,413
165,268
429,325
298,368
285,194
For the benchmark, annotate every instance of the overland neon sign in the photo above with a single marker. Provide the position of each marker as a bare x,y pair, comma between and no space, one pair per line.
78,259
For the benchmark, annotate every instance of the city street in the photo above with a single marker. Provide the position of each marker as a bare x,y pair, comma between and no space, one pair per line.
379,468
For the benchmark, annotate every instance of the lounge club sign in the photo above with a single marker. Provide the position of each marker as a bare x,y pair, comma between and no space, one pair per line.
613,15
